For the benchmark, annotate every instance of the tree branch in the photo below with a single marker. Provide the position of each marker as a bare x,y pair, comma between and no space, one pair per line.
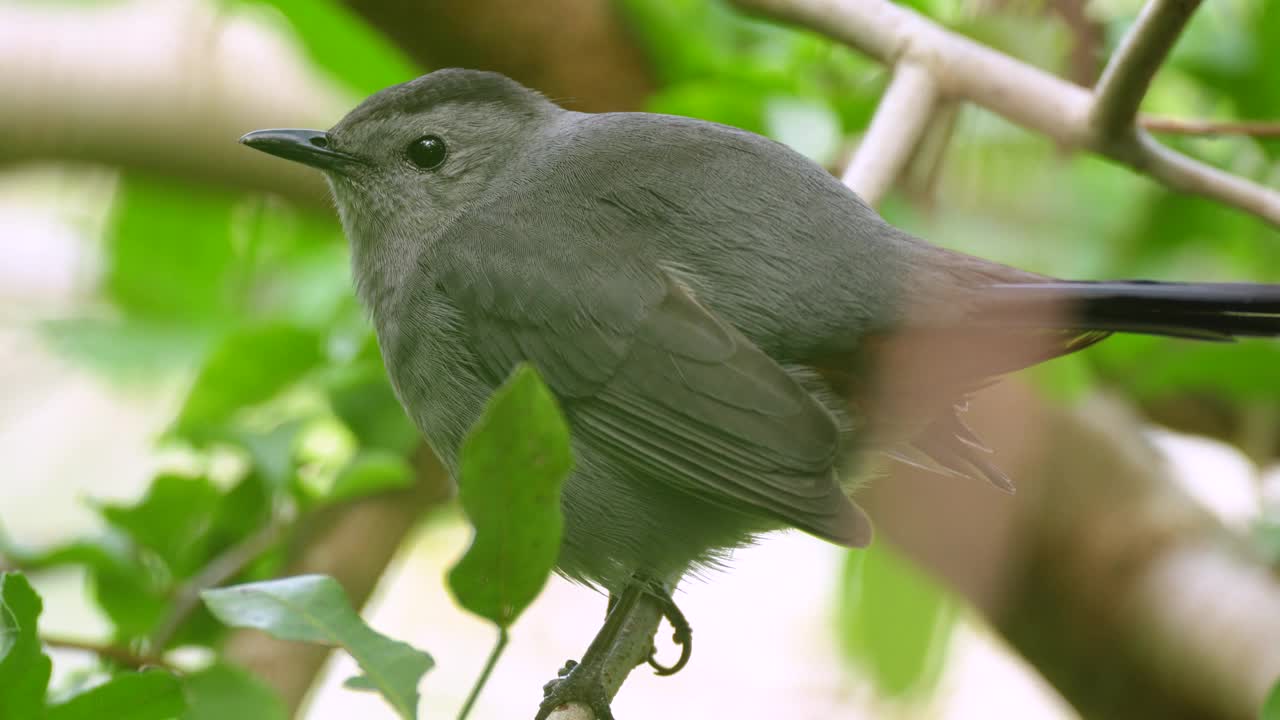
1117,586
900,120
120,655
221,569
1019,92
1178,126
174,108
631,649
1127,76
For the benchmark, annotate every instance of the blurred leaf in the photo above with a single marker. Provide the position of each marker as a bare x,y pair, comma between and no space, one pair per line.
272,452
124,587
359,682
249,366
108,551
1271,707
511,467
370,472
714,101
1248,370
172,520
314,608
1266,538
24,668
893,620
132,348
146,695
169,250
225,692
361,396
808,125
340,42
134,597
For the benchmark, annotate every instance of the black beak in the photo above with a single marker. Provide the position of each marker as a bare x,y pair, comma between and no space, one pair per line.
309,147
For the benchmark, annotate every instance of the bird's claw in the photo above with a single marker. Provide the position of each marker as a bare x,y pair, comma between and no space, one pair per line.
575,684
683,636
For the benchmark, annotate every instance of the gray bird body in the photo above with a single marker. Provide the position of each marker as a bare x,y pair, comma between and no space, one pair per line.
568,267
714,313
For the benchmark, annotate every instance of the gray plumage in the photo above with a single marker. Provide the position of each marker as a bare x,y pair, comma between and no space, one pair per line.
727,327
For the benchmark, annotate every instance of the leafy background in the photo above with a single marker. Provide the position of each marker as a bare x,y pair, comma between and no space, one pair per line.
217,327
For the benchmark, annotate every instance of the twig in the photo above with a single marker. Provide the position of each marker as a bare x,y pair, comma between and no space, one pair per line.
631,648
1015,90
900,120
494,654
121,655
1127,76
1176,126
218,571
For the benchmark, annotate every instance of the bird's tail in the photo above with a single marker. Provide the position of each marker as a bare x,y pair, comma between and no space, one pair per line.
1201,311
1015,325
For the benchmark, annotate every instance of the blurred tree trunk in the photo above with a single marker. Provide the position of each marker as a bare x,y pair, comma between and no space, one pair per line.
577,52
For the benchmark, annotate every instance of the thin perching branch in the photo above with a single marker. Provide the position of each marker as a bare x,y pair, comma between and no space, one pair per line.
630,650
115,653
1128,74
221,569
900,120
1178,126
1026,95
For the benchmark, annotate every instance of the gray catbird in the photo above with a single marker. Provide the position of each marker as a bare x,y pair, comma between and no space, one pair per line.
723,323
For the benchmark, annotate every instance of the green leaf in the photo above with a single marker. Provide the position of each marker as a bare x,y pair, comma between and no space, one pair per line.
808,125
272,452
24,668
511,468
249,366
146,695
169,252
1271,706
339,41
370,472
894,621
314,608
172,520
223,691
359,682
361,396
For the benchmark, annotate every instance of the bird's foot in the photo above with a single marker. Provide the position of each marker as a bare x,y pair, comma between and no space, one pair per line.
683,635
576,683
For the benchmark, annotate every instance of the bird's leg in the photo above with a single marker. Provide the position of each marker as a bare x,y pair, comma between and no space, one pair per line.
583,682
683,635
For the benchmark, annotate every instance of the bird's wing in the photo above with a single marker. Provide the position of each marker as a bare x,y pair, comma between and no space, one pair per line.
664,388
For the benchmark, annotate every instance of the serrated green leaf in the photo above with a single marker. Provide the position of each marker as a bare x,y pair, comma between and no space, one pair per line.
248,367
146,695
894,622
511,468
24,668
370,472
314,609
222,691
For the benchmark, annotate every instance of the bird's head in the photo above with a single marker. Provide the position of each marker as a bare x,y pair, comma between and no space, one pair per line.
410,156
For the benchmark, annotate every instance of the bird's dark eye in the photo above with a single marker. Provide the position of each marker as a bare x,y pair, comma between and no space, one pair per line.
428,152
